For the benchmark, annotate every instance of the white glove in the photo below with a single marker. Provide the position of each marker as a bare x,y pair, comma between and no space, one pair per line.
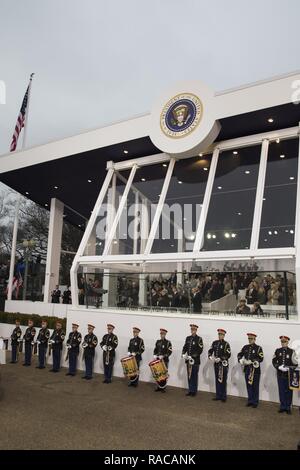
129,354
133,354
104,347
184,356
282,368
51,341
155,357
69,346
160,357
32,343
38,342
211,358
189,357
242,361
19,340
217,360
84,345
109,348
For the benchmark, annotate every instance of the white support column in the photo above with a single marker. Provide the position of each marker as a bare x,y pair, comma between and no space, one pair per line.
259,195
54,247
297,236
144,224
160,206
136,223
205,205
180,246
13,248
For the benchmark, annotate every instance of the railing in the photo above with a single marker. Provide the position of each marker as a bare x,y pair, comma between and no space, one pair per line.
268,294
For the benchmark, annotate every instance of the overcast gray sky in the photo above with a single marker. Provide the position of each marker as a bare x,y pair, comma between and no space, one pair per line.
99,61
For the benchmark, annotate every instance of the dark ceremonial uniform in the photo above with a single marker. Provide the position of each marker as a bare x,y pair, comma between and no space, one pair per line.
193,347
163,347
67,297
91,341
73,343
28,338
58,337
283,357
136,346
253,353
42,340
109,340
56,296
15,340
220,349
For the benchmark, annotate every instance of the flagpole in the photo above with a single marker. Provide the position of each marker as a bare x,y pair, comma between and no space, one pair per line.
27,113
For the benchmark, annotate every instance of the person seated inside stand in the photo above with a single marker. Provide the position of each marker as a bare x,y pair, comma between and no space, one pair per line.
242,308
256,309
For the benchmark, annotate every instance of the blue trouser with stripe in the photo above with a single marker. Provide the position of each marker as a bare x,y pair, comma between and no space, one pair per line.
285,394
192,372
252,390
221,387
28,352
42,355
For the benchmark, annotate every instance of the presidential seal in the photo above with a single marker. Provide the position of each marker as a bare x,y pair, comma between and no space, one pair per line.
181,115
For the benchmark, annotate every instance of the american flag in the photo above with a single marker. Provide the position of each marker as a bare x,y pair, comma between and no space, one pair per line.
21,119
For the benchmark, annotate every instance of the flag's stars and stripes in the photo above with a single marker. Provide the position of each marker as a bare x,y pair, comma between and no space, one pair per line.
21,119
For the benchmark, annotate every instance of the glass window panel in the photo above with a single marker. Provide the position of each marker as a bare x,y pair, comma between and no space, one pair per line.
136,219
182,207
230,215
106,213
279,205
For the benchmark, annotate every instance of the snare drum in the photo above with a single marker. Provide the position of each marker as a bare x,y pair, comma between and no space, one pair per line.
130,367
159,372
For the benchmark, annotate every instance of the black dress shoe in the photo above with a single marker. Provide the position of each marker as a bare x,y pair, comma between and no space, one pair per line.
281,411
51,370
193,394
157,389
163,390
69,373
89,378
84,377
104,381
215,399
188,394
13,362
288,412
223,400
254,406
249,404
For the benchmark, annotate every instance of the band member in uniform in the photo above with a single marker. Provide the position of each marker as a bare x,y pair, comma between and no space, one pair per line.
16,338
109,343
250,357
42,342
220,353
56,340
191,352
282,360
162,350
136,348
29,342
89,344
73,343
